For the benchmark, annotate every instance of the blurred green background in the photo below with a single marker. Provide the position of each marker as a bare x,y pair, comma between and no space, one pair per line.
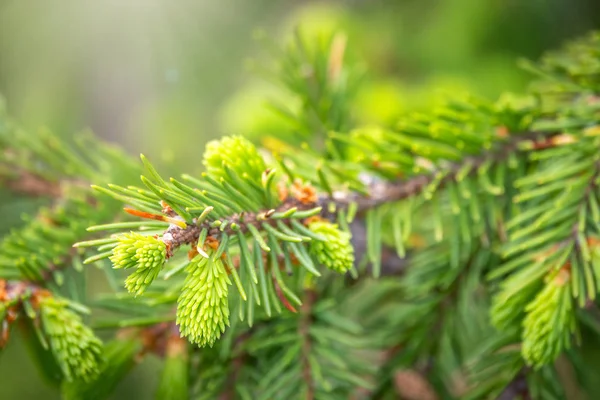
162,77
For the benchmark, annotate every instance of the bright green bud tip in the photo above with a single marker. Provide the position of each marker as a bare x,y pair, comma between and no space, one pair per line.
238,154
549,323
202,307
146,253
336,251
76,349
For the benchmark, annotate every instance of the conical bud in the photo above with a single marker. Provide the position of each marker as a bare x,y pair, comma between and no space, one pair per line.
550,321
76,349
239,154
202,307
336,251
146,253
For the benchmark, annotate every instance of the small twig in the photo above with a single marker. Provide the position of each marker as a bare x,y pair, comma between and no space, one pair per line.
30,184
160,339
568,378
236,366
391,263
412,385
304,330
516,389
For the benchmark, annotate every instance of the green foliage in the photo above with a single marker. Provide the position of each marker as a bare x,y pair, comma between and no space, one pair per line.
42,247
32,250
203,309
174,383
236,207
323,353
35,259
475,184
576,66
318,86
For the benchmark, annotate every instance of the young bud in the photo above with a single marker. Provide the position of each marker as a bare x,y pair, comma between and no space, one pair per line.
76,349
238,154
120,356
549,322
202,307
336,251
146,253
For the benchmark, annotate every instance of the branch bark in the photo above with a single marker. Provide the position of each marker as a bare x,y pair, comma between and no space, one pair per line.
29,184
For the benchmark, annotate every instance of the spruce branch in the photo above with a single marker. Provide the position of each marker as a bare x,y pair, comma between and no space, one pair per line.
295,220
379,192
473,190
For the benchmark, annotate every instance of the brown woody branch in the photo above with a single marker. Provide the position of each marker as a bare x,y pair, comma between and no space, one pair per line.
30,184
163,339
516,389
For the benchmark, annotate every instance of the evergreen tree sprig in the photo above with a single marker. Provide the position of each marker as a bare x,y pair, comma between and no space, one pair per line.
493,206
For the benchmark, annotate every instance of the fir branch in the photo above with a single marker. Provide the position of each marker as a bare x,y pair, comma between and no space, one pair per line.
379,192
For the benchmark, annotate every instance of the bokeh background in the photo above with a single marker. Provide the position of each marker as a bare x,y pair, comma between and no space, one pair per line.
162,77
